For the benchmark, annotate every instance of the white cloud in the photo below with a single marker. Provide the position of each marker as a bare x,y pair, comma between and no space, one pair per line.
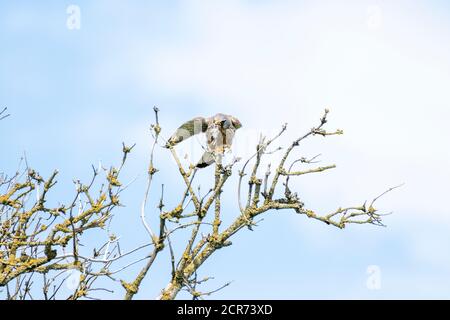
275,62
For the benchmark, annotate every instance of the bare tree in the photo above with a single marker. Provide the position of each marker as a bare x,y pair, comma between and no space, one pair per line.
41,243
3,114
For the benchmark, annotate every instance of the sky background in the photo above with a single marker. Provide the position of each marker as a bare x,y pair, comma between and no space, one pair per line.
382,67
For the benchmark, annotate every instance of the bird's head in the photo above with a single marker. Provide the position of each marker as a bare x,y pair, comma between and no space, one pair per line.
226,121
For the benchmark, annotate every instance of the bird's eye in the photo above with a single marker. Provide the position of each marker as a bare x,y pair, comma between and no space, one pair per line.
226,124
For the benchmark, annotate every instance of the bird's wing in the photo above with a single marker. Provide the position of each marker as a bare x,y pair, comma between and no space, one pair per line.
236,123
206,159
187,130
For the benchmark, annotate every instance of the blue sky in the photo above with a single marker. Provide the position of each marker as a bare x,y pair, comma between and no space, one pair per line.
382,67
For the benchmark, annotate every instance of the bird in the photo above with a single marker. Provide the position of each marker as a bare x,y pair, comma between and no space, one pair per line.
219,129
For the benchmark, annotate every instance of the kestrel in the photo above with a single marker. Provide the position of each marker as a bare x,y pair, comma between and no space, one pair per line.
219,130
